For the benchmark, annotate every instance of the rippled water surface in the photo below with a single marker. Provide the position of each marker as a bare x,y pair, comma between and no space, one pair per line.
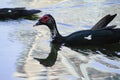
23,48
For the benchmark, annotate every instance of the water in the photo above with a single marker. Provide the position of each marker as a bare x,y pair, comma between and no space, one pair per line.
21,43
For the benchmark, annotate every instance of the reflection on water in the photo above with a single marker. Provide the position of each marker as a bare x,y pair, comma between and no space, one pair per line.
108,50
51,59
85,63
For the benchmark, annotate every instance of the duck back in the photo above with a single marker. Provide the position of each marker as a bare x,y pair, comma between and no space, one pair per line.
93,37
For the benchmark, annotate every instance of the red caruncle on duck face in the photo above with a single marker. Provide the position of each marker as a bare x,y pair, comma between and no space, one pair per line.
45,19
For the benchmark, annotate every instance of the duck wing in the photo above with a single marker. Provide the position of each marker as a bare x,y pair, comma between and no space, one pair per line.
102,23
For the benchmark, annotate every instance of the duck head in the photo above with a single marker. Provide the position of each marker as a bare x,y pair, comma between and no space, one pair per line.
47,20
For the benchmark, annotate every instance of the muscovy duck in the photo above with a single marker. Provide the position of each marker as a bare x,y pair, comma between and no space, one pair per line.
100,34
15,13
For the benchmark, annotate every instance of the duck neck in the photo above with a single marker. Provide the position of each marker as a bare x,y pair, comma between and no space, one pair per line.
54,31
55,35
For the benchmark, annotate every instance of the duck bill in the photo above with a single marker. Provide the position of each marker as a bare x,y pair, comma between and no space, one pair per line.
38,23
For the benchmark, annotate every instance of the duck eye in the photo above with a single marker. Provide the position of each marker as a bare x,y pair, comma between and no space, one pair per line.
45,19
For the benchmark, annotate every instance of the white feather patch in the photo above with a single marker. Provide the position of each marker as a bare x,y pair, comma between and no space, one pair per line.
89,37
9,11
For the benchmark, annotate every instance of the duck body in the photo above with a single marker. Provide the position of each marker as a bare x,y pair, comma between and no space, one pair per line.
92,37
100,34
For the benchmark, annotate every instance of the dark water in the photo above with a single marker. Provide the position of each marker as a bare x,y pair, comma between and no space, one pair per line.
25,51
